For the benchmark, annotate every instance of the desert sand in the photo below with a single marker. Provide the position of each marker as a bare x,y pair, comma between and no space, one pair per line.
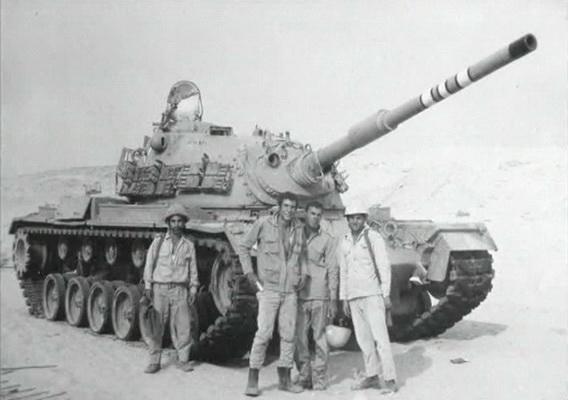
514,344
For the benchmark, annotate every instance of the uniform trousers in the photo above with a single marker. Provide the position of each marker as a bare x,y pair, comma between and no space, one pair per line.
312,314
171,303
368,316
272,305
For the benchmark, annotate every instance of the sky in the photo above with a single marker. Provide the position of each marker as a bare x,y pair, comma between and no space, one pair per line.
81,80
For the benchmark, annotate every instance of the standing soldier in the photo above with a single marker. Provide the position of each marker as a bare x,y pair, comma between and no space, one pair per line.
280,248
171,282
317,301
365,280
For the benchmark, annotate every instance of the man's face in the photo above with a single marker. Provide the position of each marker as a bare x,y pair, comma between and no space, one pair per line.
356,222
313,217
287,209
176,224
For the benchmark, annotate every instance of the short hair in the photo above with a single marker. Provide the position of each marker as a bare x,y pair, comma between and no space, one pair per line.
287,196
314,204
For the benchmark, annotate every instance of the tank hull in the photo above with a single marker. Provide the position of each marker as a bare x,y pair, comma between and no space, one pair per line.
107,244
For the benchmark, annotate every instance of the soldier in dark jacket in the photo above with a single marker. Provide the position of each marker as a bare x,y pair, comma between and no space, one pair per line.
280,257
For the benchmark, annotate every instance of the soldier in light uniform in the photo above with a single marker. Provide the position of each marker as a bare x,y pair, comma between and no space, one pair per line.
171,283
280,255
366,299
317,301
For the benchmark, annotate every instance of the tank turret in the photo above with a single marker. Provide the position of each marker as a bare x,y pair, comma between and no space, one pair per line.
188,158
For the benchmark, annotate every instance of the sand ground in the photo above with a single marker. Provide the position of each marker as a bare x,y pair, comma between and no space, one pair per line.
515,343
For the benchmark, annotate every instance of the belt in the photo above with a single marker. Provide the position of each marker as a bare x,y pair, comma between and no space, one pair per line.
171,285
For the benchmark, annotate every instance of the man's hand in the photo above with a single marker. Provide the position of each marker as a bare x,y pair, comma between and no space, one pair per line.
302,281
192,294
388,303
346,309
253,280
332,310
146,297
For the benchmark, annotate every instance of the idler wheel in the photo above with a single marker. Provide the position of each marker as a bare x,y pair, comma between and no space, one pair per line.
76,298
124,315
30,256
99,305
53,297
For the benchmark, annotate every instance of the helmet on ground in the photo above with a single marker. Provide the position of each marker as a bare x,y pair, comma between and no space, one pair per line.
355,208
337,336
176,209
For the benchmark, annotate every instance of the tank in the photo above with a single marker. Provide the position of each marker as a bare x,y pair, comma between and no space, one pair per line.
82,259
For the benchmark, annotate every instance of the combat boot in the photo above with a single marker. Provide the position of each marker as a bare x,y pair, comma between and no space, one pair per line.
319,379
285,381
390,387
252,385
186,366
366,383
152,368
305,383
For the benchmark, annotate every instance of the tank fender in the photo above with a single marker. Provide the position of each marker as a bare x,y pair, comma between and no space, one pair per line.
235,233
73,207
446,242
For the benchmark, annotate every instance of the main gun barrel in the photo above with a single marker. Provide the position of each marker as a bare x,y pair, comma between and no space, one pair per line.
383,121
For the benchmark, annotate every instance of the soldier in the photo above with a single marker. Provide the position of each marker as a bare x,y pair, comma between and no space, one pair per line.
364,287
280,248
317,301
171,282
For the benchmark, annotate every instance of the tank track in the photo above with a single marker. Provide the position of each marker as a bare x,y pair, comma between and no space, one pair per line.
231,334
32,289
469,281
227,336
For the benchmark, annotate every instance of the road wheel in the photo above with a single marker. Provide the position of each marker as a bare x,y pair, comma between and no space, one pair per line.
231,332
76,301
54,297
221,285
99,306
125,304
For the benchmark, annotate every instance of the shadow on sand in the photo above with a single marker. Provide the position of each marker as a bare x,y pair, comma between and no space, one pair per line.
410,359
469,330
347,365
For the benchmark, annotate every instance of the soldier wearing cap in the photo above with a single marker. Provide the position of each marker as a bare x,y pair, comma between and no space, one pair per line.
366,297
171,282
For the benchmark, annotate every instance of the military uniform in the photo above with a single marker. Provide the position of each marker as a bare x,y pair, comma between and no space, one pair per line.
279,258
360,287
313,307
174,274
